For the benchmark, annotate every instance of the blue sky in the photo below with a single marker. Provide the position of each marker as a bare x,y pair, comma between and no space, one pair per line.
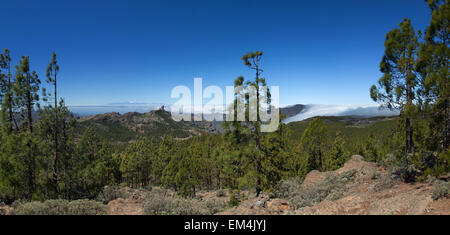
320,52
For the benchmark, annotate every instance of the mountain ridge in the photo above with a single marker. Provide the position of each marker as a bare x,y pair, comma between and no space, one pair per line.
132,125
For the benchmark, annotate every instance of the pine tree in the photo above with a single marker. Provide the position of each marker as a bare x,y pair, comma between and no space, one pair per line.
27,86
338,155
247,134
397,89
136,162
52,73
17,168
277,151
165,149
433,65
45,129
6,93
370,151
312,148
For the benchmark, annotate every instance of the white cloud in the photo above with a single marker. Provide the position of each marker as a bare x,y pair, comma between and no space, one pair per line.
340,110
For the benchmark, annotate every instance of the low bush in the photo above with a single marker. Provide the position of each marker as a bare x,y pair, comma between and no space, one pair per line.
288,187
233,201
5,198
110,193
221,193
59,207
398,167
375,175
86,207
160,205
441,189
56,207
389,161
386,181
161,202
31,208
331,188
406,172
213,206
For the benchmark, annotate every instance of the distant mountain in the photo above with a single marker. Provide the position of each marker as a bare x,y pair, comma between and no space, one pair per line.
122,108
130,126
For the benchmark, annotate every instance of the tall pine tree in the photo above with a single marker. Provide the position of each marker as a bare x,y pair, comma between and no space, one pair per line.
247,133
397,89
52,73
27,86
7,92
433,65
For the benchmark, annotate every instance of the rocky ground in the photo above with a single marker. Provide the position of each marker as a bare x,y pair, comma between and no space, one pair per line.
368,194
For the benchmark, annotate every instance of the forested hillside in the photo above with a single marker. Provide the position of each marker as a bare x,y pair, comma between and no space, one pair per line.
131,126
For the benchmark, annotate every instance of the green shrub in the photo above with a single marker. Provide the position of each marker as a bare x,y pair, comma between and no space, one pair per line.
160,205
405,172
441,189
110,193
162,202
212,206
60,207
390,160
398,167
221,193
56,207
375,175
386,181
50,207
5,198
331,188
335,195
347,176
233,199
86,207
288,187
30,208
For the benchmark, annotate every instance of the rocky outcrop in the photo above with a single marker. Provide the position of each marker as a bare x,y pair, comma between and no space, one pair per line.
371,191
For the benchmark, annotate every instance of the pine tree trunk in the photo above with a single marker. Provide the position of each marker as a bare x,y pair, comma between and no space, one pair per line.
409,128
444,38
29,110
258,180
31,164
409,136
257,140
11,116
320,161
447,125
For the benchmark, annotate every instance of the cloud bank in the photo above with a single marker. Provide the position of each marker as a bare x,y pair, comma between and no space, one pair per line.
340,110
